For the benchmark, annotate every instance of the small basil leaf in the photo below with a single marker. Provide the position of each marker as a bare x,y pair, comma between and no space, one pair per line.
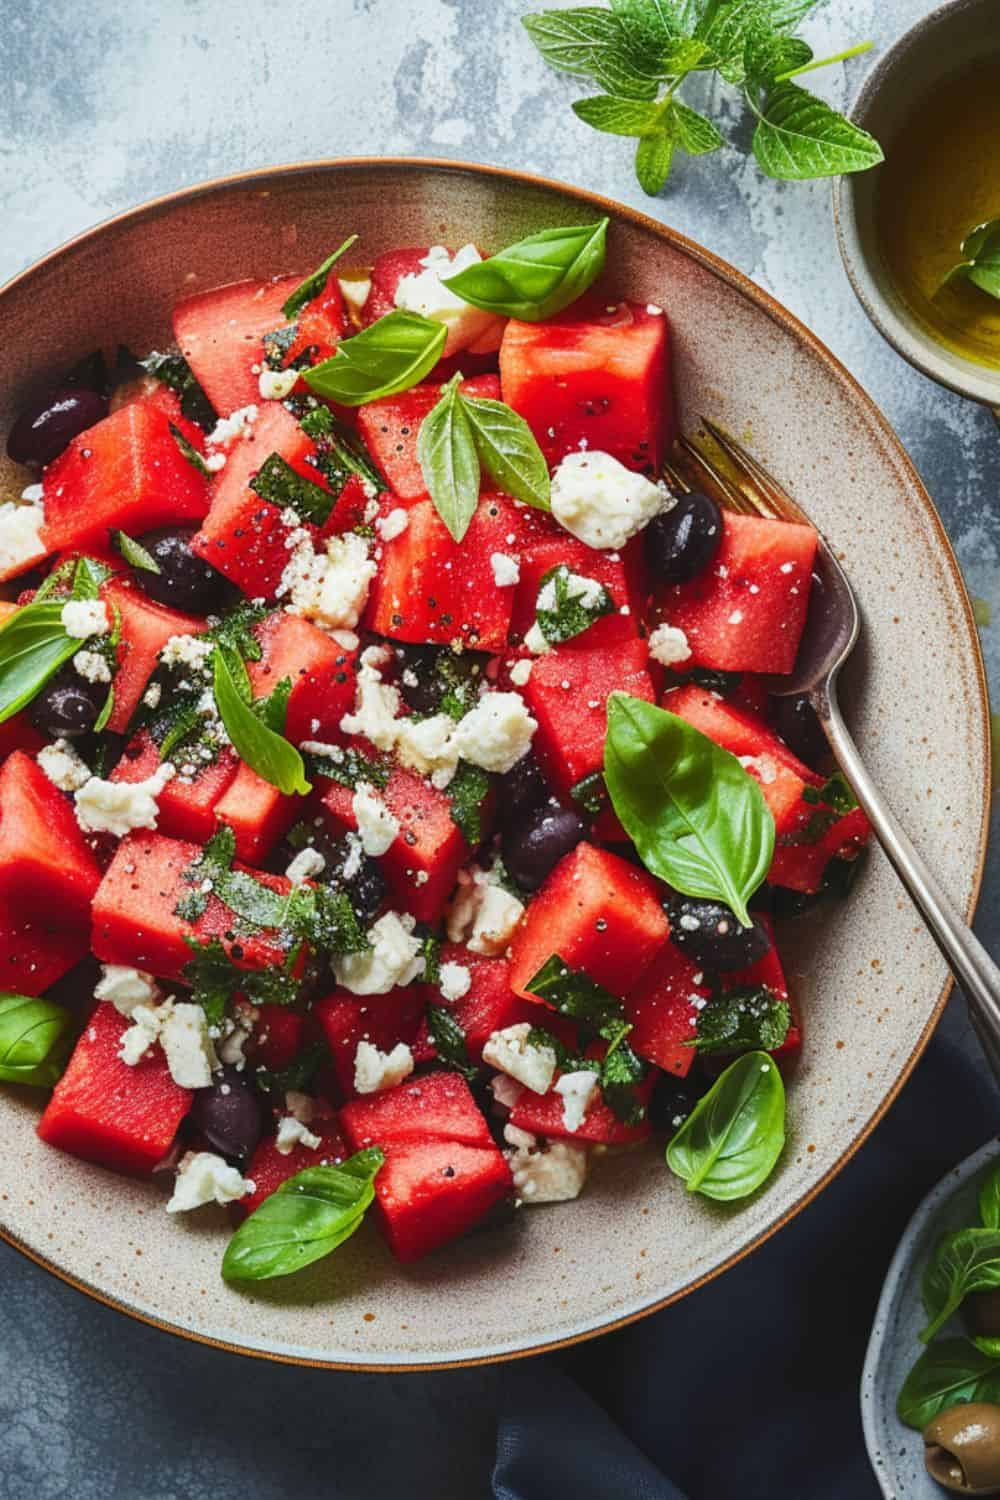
135,553
33,646
947,1373
189,451
271,756
698,820
35,1038
303,1220
449,1042
107,709
731,1141
508,450
654,157
989,1200
800,136
616,116
314,284
981,266
88,575
744,1020
390,356
568,604
449,463
538,276
967,1260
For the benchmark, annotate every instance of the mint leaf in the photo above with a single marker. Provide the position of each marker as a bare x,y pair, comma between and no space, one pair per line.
693,132
467,791
277,482
800,136
573,993
617,116
654,157
135,553
568,603
449,1042
346,766
744,1020
574,41
298,1075
314,284
591,793
621,1072
388,357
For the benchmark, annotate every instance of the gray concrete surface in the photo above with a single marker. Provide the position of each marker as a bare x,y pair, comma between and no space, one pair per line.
103,105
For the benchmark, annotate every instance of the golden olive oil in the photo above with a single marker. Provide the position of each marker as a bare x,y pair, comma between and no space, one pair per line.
940,179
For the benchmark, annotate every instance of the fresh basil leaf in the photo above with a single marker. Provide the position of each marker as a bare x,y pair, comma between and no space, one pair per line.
33,646
272,710
981,265
744,1020
269,754
800,136
449,1042
388,357
617,116
698,820
190,452
174,371
237,630
277,482
730,1142
135,553
568,604
538,276
964,1261
35,1039
654,157
107,709
575,994
303,1220
298,1075
692,132
467,791
88,576
449,463
508,450
949,1372
314,284
574,41
989,1200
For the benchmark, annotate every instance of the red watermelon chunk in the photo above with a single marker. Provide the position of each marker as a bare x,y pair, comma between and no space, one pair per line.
146,627
662,1011
390,428
125,472
383,1020
108,1112
599,913
18,733
430,1193
257,812
619,572
269,1167
567,694
801,865
320,325
437,1107
35,953
542,1114
321,673
277,1037
46,869
386,274
593,377
746,613
220,333
186,804
489,1004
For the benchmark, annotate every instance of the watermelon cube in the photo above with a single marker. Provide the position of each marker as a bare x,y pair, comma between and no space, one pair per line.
596,377
663,1011
269,1167
186,804
35,952
543,1114
620,573
277,1037
46,868
146,627
383,1020
487,1006
220,333
322,674
257,812
746,612
801,865
439,1106
600,914
108,1112
390,428
18,733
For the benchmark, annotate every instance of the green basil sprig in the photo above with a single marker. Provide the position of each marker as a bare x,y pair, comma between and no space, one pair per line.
950,1371
303,1220
33,641
35,1038
964,1261
981,263
698,820
731,1141
390,356
463,434
314,284
538,276
272,756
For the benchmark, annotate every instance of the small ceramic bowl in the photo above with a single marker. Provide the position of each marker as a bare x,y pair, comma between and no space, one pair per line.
949,39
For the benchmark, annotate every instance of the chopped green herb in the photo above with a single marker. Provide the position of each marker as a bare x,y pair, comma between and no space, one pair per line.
569,603
174,371
591,793
449,1042
277,345
135,553
297,1077
277,482
190,452
467,791
576,995
346,766
752,1019
621,1072
314,284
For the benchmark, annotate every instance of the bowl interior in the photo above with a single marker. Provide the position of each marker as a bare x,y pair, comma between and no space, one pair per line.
870,980
951,39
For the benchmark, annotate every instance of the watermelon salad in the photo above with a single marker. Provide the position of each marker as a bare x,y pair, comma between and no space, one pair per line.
394,810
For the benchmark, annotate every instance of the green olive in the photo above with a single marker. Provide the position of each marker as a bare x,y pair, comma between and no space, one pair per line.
962,1448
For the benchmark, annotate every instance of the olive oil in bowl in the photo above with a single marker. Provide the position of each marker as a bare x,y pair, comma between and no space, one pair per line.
940,179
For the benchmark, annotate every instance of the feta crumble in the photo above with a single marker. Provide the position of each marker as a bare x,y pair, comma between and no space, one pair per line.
275,385
375,1070
119,806
203,1177
393,958
330,588
306,864
82,618
393,525
236,425
126,988
377,828
293,1132
187,1045
454,981
376,703
554,1175
510,1052
535,641
428,747
63,766
669,645
506,570
482,914
91,666
601,502
521,671
578,1091
20,536
186,651
425,292
496,733
144,1031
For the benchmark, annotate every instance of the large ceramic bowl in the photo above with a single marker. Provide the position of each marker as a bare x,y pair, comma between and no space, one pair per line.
870,979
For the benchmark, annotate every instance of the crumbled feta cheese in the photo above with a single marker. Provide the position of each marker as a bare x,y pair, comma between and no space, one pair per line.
202,1177
20,536
33,494
275,385
355,290
355,857
601,502
375,1070
236,425
307,863
555,1175
428,747
119,806
151,697
82,618
292,1133
482,914
188,1047
520,672
376,703
214,462
506,1090
510,1052
300,1106
330,588
763,765
239,1030
425,293
669,645
143,1032
126,987
578,1091
535,641
496,733
63,766
455,981
91,666
393,958
506,570
186,651
393,525
377,827
588,591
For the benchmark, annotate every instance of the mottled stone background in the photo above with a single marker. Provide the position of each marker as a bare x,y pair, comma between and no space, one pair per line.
103,105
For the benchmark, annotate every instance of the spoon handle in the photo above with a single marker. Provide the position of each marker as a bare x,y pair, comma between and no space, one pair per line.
965,955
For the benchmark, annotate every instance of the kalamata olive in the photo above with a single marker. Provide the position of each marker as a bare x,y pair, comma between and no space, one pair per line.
538,842
49,424
427,674
674,1098
228,1113
795,720
185,581
68,705
346,866
682,541
708,932
962,1448
521,789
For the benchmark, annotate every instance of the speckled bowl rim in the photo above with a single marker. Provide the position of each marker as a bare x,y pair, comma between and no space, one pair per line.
263,177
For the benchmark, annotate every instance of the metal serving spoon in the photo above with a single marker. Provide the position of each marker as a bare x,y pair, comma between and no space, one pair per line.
832,627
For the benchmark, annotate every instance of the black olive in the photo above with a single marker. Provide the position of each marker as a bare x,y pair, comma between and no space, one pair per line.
674,1098
229,1114
795,720
428,674
522,789
365,884
682,541
537,843
68,705
51,422
185,581
708,932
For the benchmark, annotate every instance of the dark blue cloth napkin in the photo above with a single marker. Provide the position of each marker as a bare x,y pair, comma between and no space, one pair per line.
748,1389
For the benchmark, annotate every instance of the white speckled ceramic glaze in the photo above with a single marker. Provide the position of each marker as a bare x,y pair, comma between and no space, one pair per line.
897,1452
870,980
